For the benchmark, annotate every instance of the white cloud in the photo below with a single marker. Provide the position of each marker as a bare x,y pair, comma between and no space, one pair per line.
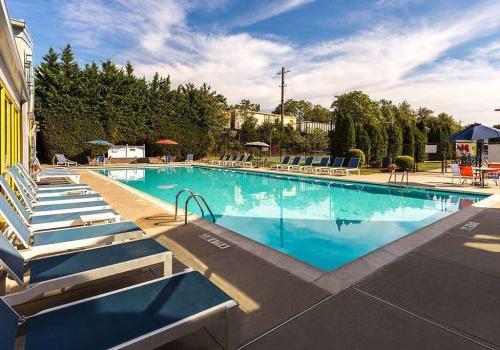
387,61
272,9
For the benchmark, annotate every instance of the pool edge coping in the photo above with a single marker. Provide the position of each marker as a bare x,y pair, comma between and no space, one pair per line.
342,277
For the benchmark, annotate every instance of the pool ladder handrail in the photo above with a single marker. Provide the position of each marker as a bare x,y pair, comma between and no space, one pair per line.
195,196
177,202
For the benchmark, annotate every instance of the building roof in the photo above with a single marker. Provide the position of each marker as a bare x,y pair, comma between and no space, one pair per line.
9,55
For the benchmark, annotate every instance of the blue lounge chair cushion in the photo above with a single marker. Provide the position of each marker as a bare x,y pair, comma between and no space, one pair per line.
68,264
42,208
338,162
308,161
296,160
14,220
48,188
83,232
13,197
8,326
324,162
65,188
43,189
11,257
67,197
45,219
353,163
108,321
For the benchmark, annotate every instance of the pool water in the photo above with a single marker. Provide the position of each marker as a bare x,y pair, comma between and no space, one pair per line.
324,223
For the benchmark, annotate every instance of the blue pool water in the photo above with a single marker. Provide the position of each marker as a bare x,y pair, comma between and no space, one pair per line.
324,223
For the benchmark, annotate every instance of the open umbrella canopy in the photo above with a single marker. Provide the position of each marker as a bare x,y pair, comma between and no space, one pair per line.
166,142
100,143
257,144
476,132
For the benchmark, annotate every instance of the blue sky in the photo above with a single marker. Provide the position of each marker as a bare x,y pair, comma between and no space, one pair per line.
441,54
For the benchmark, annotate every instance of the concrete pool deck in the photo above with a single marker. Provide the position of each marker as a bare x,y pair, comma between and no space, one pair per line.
442,294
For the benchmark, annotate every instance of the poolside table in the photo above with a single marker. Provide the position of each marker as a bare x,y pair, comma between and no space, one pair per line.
482,171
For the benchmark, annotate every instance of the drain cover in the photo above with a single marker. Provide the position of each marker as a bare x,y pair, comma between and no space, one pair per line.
469,226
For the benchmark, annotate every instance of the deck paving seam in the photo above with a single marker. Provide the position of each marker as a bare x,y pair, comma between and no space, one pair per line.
472,338
468,237
442,260
269,331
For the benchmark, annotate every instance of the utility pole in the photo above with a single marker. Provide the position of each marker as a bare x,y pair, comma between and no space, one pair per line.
282,73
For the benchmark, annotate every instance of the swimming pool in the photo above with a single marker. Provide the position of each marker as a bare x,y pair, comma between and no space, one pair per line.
324,223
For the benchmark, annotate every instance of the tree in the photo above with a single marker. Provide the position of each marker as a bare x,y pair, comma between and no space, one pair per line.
496,126
249,129
76,104
317,140
245,104
344,136
319,114
393,129
368,122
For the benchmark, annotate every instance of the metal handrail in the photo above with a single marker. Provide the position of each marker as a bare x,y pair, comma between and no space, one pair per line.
195,196
177,202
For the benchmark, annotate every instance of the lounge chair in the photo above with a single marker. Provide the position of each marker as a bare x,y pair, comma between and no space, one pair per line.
248,163
307,165
351,167
92,161
41,188
142,316
323,165
463,174
45,174
238,160
51,197
493,176
189,158
62,160
70,269
52,170
336,165
216,161
47,192
283,164
229,160
53,221
53,241
295,163
220,162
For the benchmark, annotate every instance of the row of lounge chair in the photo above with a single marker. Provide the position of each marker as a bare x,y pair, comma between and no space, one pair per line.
234,161
45,246
326,165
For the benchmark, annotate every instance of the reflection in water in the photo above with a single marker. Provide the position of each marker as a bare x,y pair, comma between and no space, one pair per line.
323,223
127,174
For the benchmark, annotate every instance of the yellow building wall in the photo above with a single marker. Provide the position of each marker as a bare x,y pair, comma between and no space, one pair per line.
10,131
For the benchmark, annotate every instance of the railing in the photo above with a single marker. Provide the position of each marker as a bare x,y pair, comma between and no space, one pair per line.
195,196
403,175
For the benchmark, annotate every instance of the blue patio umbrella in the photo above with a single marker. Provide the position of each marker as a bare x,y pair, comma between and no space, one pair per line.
100,143
479,133
476,132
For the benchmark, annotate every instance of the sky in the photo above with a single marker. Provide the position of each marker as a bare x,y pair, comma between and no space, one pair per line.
444,55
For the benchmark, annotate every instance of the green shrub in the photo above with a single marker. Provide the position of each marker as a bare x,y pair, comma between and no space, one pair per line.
354,152
404,162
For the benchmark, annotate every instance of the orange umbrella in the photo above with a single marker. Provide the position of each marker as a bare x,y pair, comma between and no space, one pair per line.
166,142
